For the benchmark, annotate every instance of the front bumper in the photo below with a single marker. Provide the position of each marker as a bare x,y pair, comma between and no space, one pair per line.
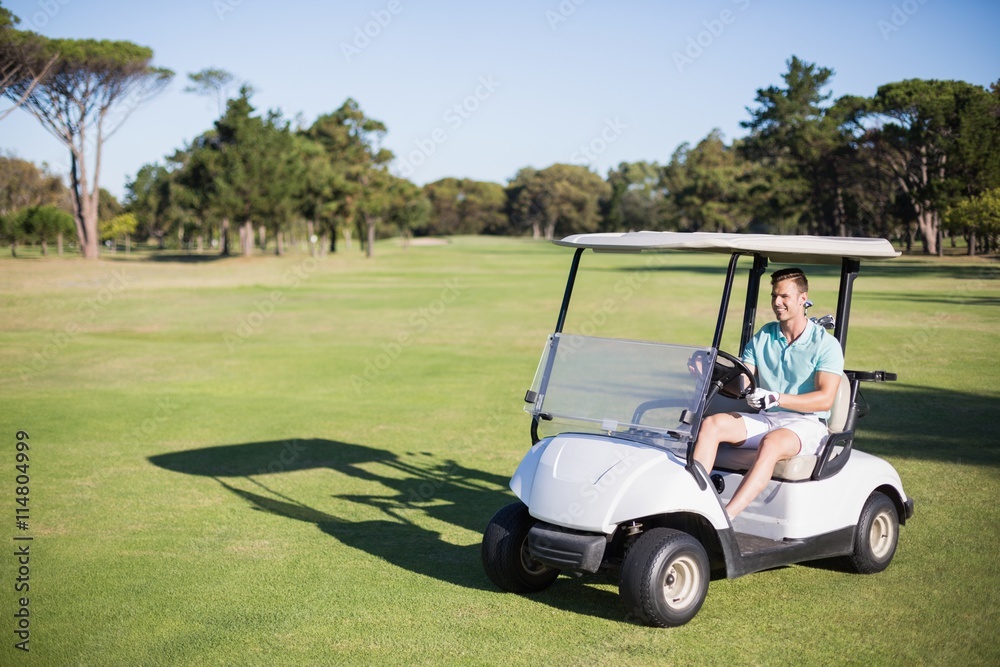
566,550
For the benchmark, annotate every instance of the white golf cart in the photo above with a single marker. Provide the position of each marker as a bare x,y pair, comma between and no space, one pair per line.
610,482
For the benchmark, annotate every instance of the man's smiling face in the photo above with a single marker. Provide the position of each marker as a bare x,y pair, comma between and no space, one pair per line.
787,302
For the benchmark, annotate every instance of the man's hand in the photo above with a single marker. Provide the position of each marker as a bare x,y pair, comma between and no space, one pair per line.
762,399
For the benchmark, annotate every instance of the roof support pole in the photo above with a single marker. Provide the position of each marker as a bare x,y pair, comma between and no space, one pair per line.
849,269
750,307
724,306
569,289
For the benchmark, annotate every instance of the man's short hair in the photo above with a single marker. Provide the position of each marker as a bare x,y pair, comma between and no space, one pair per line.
791,274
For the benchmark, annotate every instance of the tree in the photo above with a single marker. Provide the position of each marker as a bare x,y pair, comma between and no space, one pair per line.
800,141
316,203
376,198
637,197
975,164
186,198
22,184
409,209
877,205
977,217
212,82
524,207
108,205
88,93
13,230
23,188
329,189
464,206
358,178
194,186
563,196
253,172
482,207
48,223
445,197
121,225
35,223
920,125
709,186
13,57
148,197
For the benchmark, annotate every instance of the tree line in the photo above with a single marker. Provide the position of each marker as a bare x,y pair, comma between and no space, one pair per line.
917,162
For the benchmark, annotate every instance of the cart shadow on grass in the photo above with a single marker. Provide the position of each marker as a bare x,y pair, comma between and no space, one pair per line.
421,487
906,422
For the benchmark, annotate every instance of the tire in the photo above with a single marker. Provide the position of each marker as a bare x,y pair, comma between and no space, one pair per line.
505,553
664,578
875,536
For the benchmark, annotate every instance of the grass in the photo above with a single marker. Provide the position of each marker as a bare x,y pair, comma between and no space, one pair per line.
289,461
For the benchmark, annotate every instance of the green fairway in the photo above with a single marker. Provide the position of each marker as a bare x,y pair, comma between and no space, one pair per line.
290,461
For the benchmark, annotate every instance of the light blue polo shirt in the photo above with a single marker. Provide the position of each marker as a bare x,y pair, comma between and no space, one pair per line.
791,369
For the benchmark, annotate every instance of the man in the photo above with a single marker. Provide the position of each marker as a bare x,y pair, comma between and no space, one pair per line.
798,368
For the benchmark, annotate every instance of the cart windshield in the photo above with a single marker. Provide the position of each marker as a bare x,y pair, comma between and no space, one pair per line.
649,391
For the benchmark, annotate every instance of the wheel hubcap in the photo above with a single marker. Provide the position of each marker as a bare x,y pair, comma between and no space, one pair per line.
530,565
681,583
882,535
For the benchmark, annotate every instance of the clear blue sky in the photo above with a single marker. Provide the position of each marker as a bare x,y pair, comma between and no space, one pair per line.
534,81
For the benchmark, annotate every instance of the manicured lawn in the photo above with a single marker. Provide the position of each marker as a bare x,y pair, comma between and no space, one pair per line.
290,461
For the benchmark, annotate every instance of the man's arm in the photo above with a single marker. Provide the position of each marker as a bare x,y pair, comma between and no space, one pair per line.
743,381
819,400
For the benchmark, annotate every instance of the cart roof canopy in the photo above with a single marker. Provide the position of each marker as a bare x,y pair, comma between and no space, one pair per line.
777,248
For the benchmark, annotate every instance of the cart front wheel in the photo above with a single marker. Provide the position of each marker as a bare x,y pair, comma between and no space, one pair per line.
664,578
505,552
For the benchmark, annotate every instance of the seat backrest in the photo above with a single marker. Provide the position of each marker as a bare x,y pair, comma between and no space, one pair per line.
841,406
801,467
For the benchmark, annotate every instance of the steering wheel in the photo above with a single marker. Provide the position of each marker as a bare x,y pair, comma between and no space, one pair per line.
727,372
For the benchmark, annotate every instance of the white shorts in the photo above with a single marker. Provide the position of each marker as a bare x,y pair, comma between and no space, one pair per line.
809,429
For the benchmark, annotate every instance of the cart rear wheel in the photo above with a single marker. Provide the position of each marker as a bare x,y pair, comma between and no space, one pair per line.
875,536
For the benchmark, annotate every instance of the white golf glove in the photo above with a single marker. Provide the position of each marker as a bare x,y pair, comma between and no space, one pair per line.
762,399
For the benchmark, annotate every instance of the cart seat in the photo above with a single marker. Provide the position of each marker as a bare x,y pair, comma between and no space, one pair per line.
797,468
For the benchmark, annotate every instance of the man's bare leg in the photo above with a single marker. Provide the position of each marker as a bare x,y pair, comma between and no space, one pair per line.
716,429
778,445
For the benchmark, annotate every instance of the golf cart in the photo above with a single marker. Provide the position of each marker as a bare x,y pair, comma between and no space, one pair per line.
610,482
